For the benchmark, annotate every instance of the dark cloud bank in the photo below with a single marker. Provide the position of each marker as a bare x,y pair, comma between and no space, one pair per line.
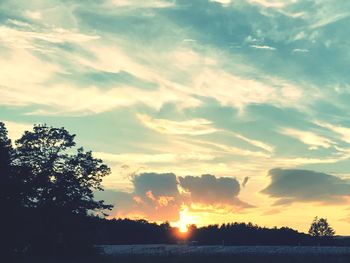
292,185
159,197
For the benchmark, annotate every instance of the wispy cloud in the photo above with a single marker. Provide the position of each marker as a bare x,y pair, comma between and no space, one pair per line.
135,158
223,2
36,15
233,150
190,127
273,3
326,20
343,132
263,47
309,138
26,35
301,50
256,143
239,92
144,4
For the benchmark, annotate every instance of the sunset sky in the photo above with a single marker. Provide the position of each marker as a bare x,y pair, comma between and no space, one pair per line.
207,111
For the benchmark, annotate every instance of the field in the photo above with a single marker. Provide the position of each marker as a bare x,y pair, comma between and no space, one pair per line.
222,254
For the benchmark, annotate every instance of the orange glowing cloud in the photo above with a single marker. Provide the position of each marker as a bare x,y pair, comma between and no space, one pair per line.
165,197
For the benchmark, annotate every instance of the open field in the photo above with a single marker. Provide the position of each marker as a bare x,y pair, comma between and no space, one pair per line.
223,254
183,250
204,254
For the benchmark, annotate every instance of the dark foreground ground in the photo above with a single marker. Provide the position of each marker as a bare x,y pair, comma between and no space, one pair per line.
211,254
231,259
223,254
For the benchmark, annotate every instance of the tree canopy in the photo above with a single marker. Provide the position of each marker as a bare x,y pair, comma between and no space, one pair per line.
58,176
47,180
321,228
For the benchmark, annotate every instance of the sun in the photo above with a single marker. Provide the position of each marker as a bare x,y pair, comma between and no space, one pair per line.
185,220
183,228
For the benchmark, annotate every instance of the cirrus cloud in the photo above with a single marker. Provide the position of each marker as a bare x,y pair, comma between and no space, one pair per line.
309,138
190,127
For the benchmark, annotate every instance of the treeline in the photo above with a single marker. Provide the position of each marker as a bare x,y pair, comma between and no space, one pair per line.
126,231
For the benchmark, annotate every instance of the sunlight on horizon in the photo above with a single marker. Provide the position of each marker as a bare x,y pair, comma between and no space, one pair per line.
185,220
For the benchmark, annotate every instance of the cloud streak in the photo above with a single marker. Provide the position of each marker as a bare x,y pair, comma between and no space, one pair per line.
189,127
309,138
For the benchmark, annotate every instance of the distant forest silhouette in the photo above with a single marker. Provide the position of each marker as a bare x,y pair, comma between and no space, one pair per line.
126,231
48,206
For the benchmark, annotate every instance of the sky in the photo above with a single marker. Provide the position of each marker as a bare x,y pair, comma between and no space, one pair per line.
207,111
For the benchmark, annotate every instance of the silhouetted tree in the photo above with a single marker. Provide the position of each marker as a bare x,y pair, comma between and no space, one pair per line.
58,179
7,196
321,228
53,185
5,168
5,153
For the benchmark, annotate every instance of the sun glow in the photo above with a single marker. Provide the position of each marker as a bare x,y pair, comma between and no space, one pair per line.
185,220
183,229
